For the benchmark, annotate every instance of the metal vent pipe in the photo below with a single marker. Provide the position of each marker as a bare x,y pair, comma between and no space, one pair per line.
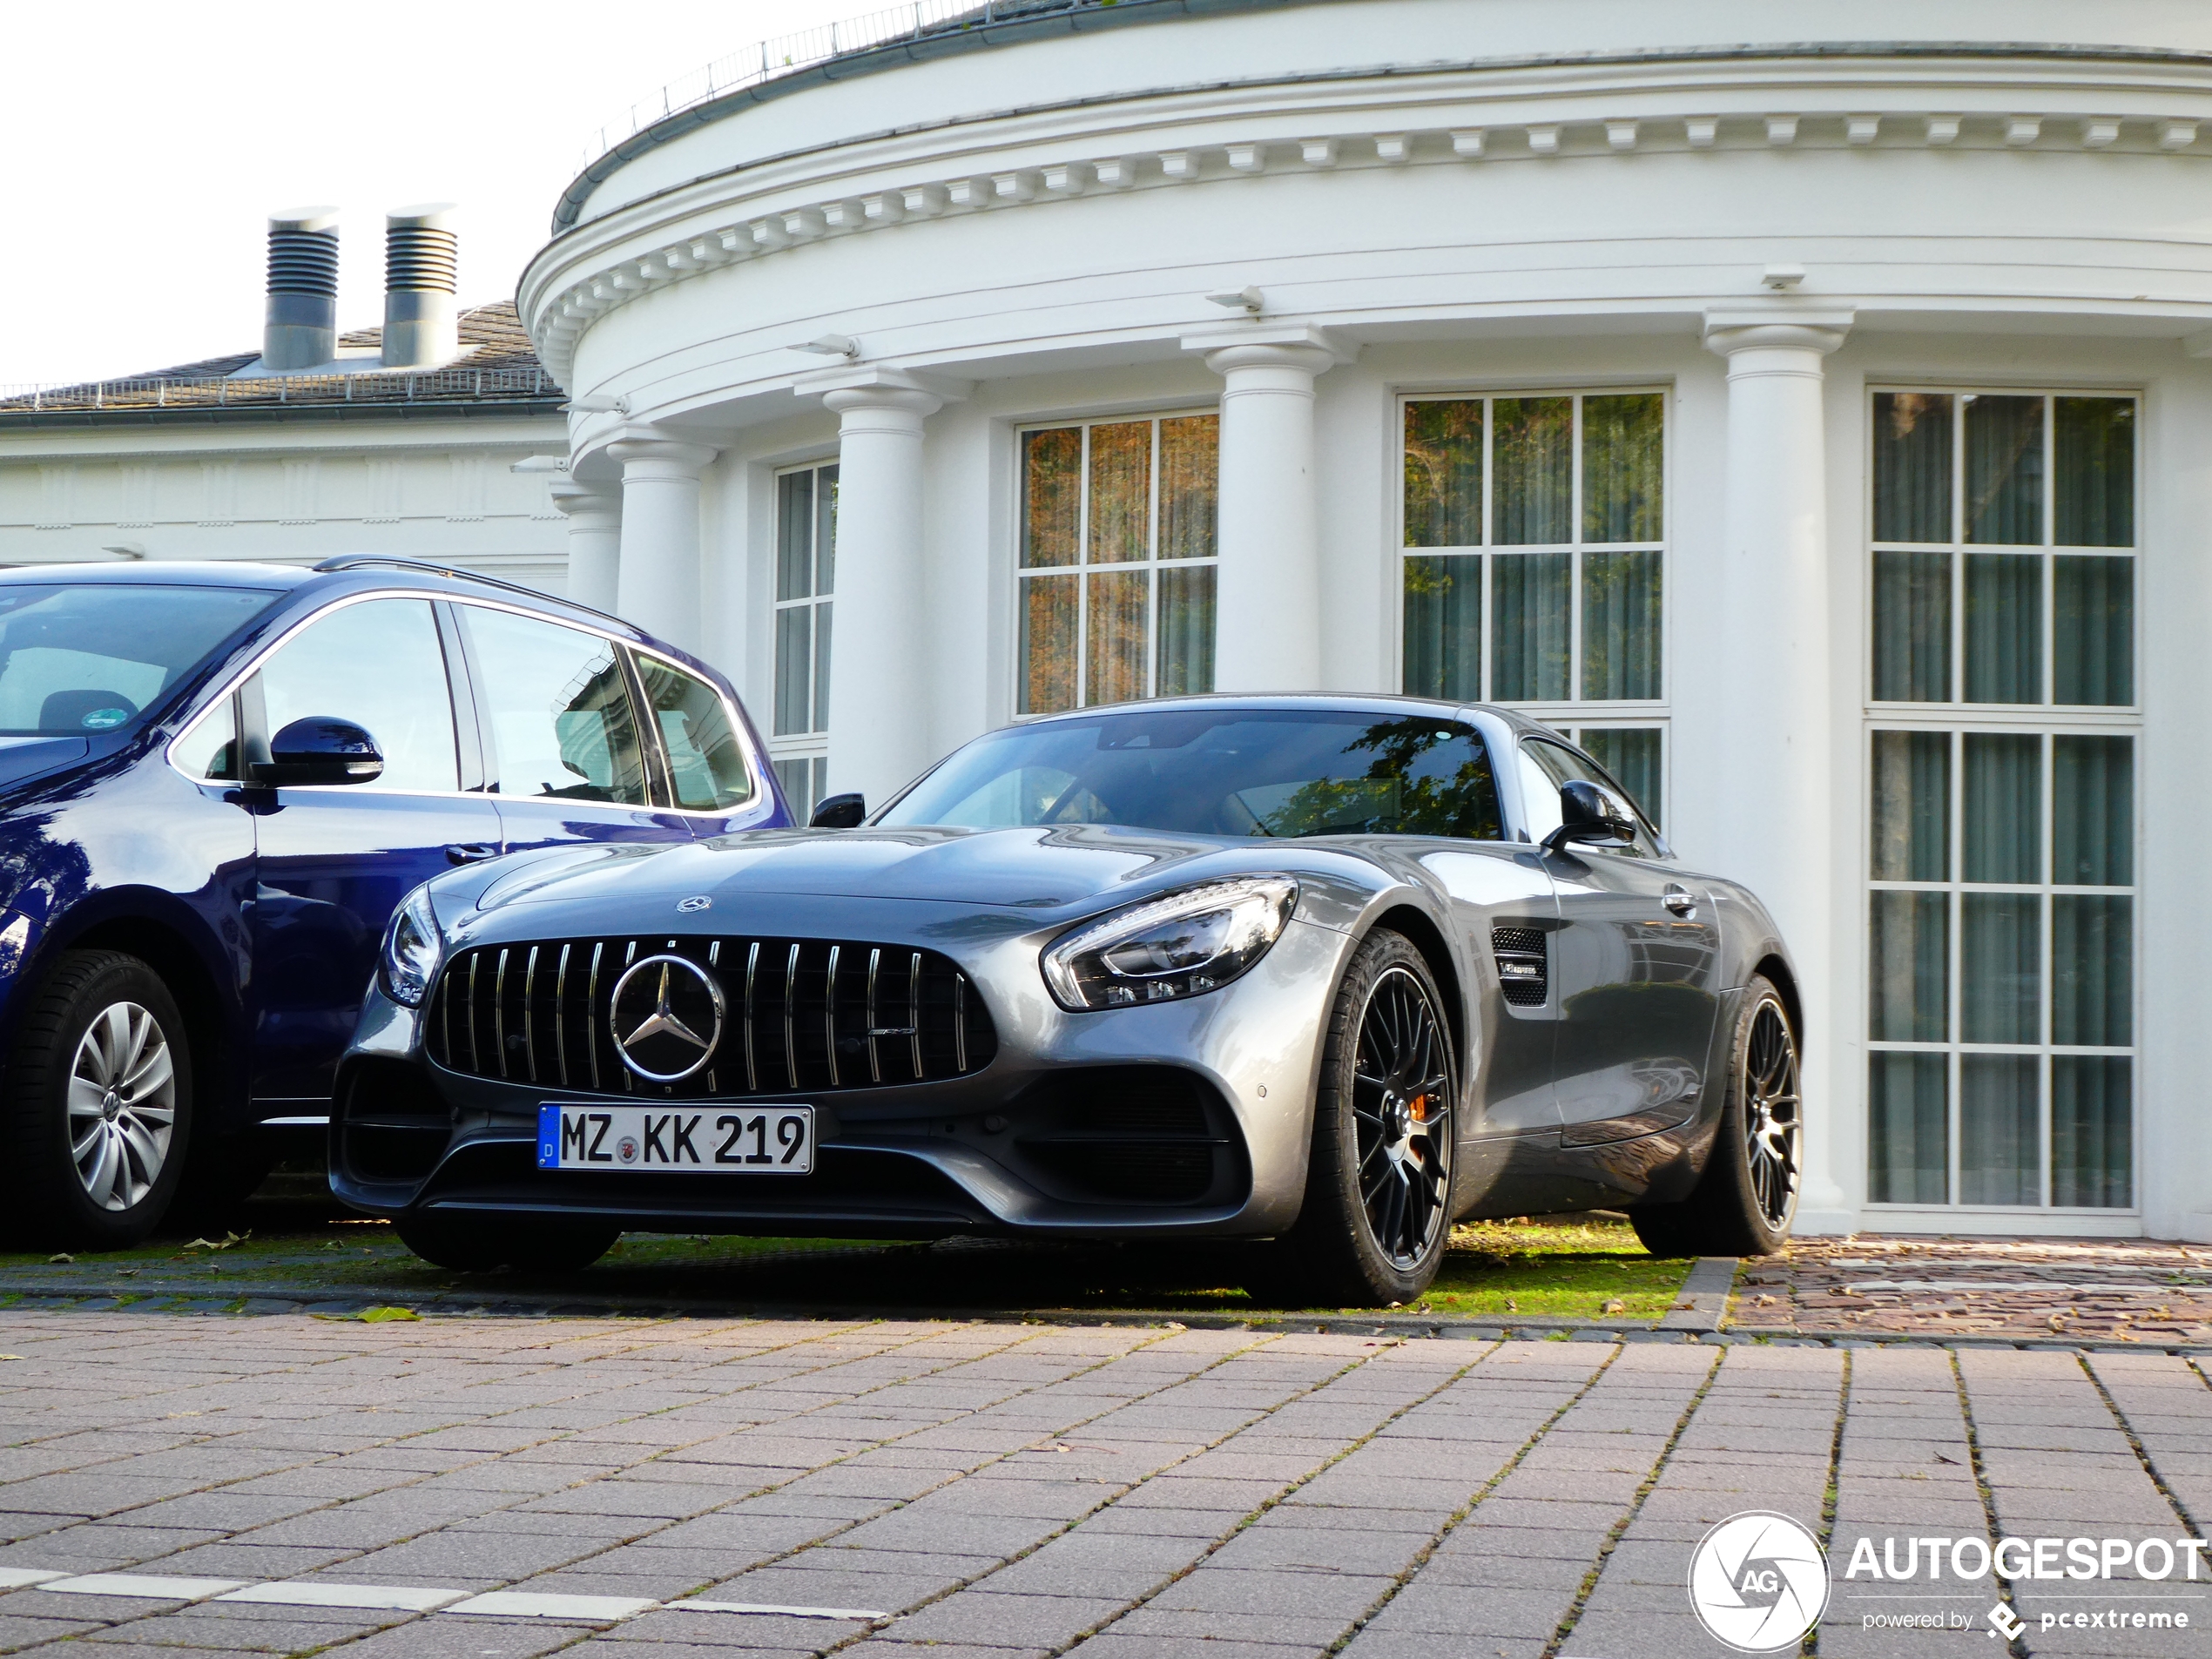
300,330
421,319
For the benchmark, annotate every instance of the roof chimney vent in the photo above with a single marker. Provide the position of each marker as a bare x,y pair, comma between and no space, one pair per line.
301,329
421,323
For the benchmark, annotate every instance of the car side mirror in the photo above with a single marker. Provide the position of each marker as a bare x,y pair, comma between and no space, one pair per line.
320,749
1592,815
839,812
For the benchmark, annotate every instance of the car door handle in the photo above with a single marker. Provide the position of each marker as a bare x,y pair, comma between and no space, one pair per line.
1679,900
471,852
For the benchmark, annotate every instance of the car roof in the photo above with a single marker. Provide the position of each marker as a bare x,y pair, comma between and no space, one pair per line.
1318,702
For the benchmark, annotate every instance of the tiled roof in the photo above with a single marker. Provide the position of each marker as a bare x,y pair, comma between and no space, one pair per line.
497,372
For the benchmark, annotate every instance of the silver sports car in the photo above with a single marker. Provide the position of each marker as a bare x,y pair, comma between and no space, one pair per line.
1329,973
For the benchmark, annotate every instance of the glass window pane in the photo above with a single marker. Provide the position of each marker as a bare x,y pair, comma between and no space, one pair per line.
2004,814
2005,469
1052,490
2092,812
822,660
562,724
209,751
795,535
1532,469
795,779
2000,967
1120,491
706,761
1190,464
795,669
1529,636
2095,441
1908,1128
825,530
1913,467
1444,628
1910,960
2004,627
1620,624
1622,464
2093,974
1912,627
1631,754
1444,474
1186,630
2093,1153
1114,654
2094,639
1912,806
2000,1159
380,665
1048,606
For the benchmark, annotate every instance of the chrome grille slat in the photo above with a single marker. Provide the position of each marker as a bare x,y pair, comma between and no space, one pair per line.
947,1034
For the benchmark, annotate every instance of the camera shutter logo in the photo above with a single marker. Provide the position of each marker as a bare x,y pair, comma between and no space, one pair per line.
666,1016
1759,1581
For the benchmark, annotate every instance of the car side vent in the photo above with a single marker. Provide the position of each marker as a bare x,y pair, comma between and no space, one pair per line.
1524,971
798,1016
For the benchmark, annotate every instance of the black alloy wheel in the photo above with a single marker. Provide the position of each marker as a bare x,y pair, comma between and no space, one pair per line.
1747,1197
1401,1100
1773,1126
1376,1216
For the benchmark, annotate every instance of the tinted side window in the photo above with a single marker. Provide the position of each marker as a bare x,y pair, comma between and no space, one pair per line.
209,751
706,759
379,665
559,715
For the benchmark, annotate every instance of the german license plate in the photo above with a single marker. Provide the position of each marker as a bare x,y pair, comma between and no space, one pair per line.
757,1140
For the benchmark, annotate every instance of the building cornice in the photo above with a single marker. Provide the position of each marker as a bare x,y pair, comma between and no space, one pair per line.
610,262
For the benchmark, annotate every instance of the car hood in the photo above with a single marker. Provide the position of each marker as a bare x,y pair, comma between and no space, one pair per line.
1019,869
25,758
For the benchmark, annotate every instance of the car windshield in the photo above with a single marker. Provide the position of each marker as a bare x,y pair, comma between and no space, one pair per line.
88,658
1220,771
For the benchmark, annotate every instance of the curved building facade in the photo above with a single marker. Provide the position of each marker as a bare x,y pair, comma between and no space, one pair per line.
1806,406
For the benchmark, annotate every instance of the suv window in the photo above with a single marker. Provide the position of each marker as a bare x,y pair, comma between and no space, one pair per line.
559,714
1545,767
706,761
379,665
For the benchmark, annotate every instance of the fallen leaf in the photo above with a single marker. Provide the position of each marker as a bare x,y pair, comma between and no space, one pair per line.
372,1316
10,1356
1616,1306
63,1256
227,1242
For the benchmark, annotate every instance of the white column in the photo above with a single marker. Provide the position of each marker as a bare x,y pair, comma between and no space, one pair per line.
879,704
595,542
657,581
1267,611
1774,699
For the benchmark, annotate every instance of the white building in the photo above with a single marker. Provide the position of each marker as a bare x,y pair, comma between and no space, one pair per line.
397,439
1808,405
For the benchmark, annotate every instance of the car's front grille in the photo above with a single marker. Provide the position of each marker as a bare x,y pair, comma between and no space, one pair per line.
1524,970
797,1016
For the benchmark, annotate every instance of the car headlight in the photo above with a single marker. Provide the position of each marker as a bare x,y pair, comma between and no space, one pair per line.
411,950
1184,944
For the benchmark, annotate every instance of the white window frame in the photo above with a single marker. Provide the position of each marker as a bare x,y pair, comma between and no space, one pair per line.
799,754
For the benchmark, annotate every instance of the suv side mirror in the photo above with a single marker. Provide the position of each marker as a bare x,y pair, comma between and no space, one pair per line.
839,812
320,749
1591,815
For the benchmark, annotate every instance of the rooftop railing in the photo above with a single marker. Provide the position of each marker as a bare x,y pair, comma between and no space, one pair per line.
218,391
787,54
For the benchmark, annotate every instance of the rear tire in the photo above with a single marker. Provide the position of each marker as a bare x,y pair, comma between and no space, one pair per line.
1743,1203
96,1116
531,1244
1378,1207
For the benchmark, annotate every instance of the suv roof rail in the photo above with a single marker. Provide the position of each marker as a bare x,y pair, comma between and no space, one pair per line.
384,561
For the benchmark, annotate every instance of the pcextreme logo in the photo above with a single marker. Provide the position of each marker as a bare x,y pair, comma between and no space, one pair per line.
1759,1581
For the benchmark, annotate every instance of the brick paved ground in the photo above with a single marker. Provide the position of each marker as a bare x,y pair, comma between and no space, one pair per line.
1010,1492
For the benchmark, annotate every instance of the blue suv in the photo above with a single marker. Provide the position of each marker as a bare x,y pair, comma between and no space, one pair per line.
217,781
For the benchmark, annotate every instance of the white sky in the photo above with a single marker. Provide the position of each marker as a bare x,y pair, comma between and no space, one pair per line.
147,141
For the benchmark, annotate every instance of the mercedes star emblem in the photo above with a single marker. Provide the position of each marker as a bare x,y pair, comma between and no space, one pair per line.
698,901
666,1017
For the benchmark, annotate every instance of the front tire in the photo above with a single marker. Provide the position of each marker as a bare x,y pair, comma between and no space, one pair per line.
530,1243
1745,1201
96,1114
1378,1207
